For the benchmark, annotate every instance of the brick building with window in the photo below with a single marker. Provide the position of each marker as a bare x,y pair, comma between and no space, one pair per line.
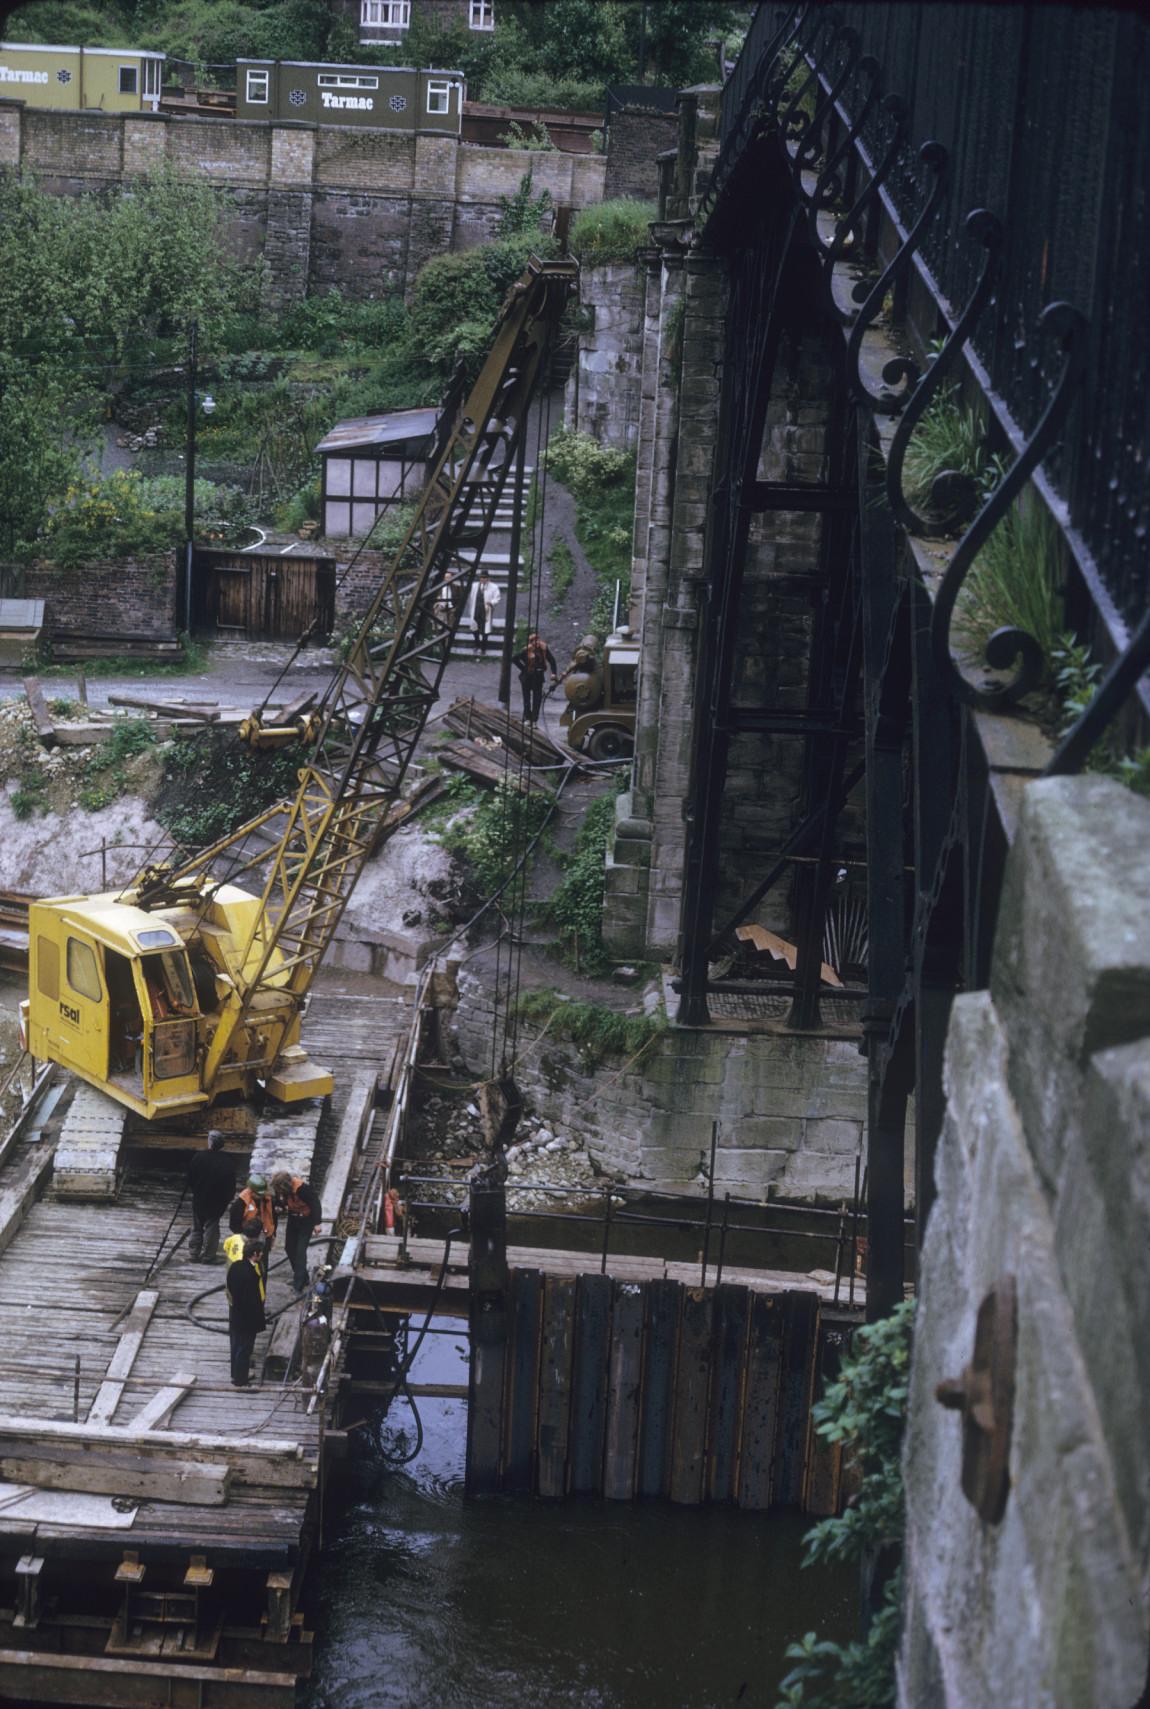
388,21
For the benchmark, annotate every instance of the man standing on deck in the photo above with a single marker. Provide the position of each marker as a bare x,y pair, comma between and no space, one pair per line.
246,1315
212,1178
292,1196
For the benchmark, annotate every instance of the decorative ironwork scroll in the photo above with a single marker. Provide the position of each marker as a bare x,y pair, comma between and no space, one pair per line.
934,157
1008,645
948,503
827,26
829,186
846,241
807,146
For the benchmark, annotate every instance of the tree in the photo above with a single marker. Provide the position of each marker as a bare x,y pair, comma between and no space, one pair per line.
39,450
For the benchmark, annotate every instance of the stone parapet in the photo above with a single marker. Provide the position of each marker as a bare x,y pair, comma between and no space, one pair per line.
1043,1173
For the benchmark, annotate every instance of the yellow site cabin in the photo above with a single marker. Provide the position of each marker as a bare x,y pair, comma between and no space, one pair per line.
146,1005
113,79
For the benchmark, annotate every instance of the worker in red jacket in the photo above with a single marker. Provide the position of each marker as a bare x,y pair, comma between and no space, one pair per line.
299,1202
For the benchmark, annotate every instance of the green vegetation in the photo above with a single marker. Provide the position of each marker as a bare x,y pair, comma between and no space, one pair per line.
105,773
598,1033
948,437
191,661
865,1411
576,907
1016,580
562,572
537,138
560,55
212,785
493,838
126,515
1076,680
611,231
602,483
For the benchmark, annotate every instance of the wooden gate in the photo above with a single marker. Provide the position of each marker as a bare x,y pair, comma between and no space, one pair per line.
265,596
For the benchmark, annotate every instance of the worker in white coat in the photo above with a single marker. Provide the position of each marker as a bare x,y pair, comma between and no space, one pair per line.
481,604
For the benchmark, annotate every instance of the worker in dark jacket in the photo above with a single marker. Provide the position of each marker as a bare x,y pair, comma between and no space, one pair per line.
532,663
293,1197
246,1315
212,1178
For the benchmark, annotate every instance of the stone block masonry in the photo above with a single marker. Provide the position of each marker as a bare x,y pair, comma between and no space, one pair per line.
320,205
604,391
791,1110
1043,1173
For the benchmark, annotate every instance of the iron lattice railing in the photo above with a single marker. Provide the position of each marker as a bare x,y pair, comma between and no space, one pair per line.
1024,131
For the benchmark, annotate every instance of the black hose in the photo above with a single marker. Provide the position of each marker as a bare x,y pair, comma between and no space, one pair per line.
409,1359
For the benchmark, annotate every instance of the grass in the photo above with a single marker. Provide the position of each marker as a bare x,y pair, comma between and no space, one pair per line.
597,1033
1016,580
612,230
195,659
947,438
105,774
562,572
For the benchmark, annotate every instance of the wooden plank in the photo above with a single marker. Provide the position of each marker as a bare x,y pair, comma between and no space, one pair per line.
43,1676
23,1182
800,1330
733,1312
188,1482
555,1392
822,1493
525,1316
589,1384
660,1346
353,1129
284,1340
122,1360
168,708
692,1385
625,1367
761,1401
161,1405
263,1459
45,728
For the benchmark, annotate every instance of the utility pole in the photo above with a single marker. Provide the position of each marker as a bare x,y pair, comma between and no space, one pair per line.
190,475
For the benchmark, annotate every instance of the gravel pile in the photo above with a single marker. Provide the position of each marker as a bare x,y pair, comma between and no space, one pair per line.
449,1130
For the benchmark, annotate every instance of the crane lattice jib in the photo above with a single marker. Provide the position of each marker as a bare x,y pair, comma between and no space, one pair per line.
378,702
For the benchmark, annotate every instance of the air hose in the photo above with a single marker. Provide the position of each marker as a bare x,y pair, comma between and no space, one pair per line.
395,1461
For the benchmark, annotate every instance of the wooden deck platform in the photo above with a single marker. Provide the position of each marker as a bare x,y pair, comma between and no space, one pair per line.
154,1520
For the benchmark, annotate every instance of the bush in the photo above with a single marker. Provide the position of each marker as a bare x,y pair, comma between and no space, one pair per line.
576,907
538,138
865,1410
453,301
584,466
493,838
127,515
511,86
611,231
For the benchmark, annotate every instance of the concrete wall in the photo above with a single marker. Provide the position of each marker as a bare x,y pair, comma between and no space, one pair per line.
131,597
321,205
1043,1172
791,1109
604,389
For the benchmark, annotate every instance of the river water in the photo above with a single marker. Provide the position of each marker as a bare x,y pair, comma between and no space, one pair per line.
423,1601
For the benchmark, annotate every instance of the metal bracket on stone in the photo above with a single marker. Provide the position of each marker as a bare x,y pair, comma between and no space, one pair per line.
984,1394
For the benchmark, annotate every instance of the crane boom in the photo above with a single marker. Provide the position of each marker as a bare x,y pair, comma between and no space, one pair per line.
263,953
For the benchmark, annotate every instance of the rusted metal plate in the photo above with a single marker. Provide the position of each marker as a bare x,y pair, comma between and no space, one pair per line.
800,1327
692,1389
555,1392
624,1377
761,1401
824,1459
589,1384
660,1343
732,1308
526,1310
984,1394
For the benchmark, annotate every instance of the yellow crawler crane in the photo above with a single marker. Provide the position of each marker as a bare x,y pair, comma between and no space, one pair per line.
186,985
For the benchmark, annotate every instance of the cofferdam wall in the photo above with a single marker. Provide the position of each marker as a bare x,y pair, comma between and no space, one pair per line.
319,205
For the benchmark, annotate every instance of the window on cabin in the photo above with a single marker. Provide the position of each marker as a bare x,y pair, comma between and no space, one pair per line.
129,80
481,15
345,80
83,970
153,76
48,968
438,95
257,87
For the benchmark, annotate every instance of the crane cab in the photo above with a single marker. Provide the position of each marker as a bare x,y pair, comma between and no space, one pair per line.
132,1001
